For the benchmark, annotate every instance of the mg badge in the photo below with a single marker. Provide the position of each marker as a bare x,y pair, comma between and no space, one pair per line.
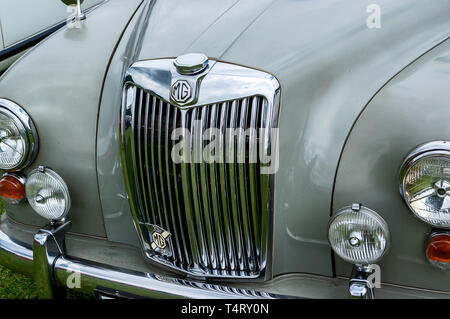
181,91
160,241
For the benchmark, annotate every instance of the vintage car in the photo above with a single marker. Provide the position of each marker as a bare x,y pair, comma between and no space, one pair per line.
24,23
232,149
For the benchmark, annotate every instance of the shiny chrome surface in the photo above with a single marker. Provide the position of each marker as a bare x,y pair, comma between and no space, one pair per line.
48,246
218,214
431,195
360,286
18,256
51,268
26,128
191,63
80,15
145,284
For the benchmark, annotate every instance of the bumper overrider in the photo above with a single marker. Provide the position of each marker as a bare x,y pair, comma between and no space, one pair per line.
53,272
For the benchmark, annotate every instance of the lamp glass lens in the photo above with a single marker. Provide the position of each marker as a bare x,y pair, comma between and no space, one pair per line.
12,143
426,189
360,237
48,195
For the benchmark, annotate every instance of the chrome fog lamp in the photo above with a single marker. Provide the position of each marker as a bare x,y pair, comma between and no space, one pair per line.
47,193
358,235
18,137
425,183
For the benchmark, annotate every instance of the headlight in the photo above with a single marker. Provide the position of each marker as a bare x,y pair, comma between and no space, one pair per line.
47,193
18,137
425,183
358,235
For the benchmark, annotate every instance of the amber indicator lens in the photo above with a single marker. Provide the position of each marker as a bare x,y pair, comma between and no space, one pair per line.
11,189
438,251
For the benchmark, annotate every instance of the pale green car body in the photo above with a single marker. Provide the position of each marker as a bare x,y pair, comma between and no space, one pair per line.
354,102
23,21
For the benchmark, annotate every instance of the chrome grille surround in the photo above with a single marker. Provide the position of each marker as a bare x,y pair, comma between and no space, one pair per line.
220,215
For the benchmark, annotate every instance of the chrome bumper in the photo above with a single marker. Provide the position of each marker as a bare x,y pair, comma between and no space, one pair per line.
53,272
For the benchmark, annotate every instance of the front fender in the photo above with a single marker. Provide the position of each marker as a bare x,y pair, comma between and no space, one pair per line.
59,84
412,109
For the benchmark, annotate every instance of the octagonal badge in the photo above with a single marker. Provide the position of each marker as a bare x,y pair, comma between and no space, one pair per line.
181,91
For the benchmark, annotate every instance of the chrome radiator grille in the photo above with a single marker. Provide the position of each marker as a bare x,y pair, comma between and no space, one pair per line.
218,213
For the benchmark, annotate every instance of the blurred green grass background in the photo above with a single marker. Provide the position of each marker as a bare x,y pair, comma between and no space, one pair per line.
15,286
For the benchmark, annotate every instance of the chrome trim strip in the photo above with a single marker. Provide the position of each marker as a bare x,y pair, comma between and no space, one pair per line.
34,39
29,42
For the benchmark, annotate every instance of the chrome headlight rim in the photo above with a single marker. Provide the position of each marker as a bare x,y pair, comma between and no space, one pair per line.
27,130
380,219
423,151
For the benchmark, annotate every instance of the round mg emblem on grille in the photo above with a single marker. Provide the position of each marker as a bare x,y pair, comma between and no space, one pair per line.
159,240
181,91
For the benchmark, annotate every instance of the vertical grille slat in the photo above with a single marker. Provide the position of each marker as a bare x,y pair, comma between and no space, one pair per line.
154,185
264,179
233,184
140,149
218,219
179,202
134,152
174,227
253,149
216,211
162,172
187,193
206,196
243,186
151,190
224,194
195,190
